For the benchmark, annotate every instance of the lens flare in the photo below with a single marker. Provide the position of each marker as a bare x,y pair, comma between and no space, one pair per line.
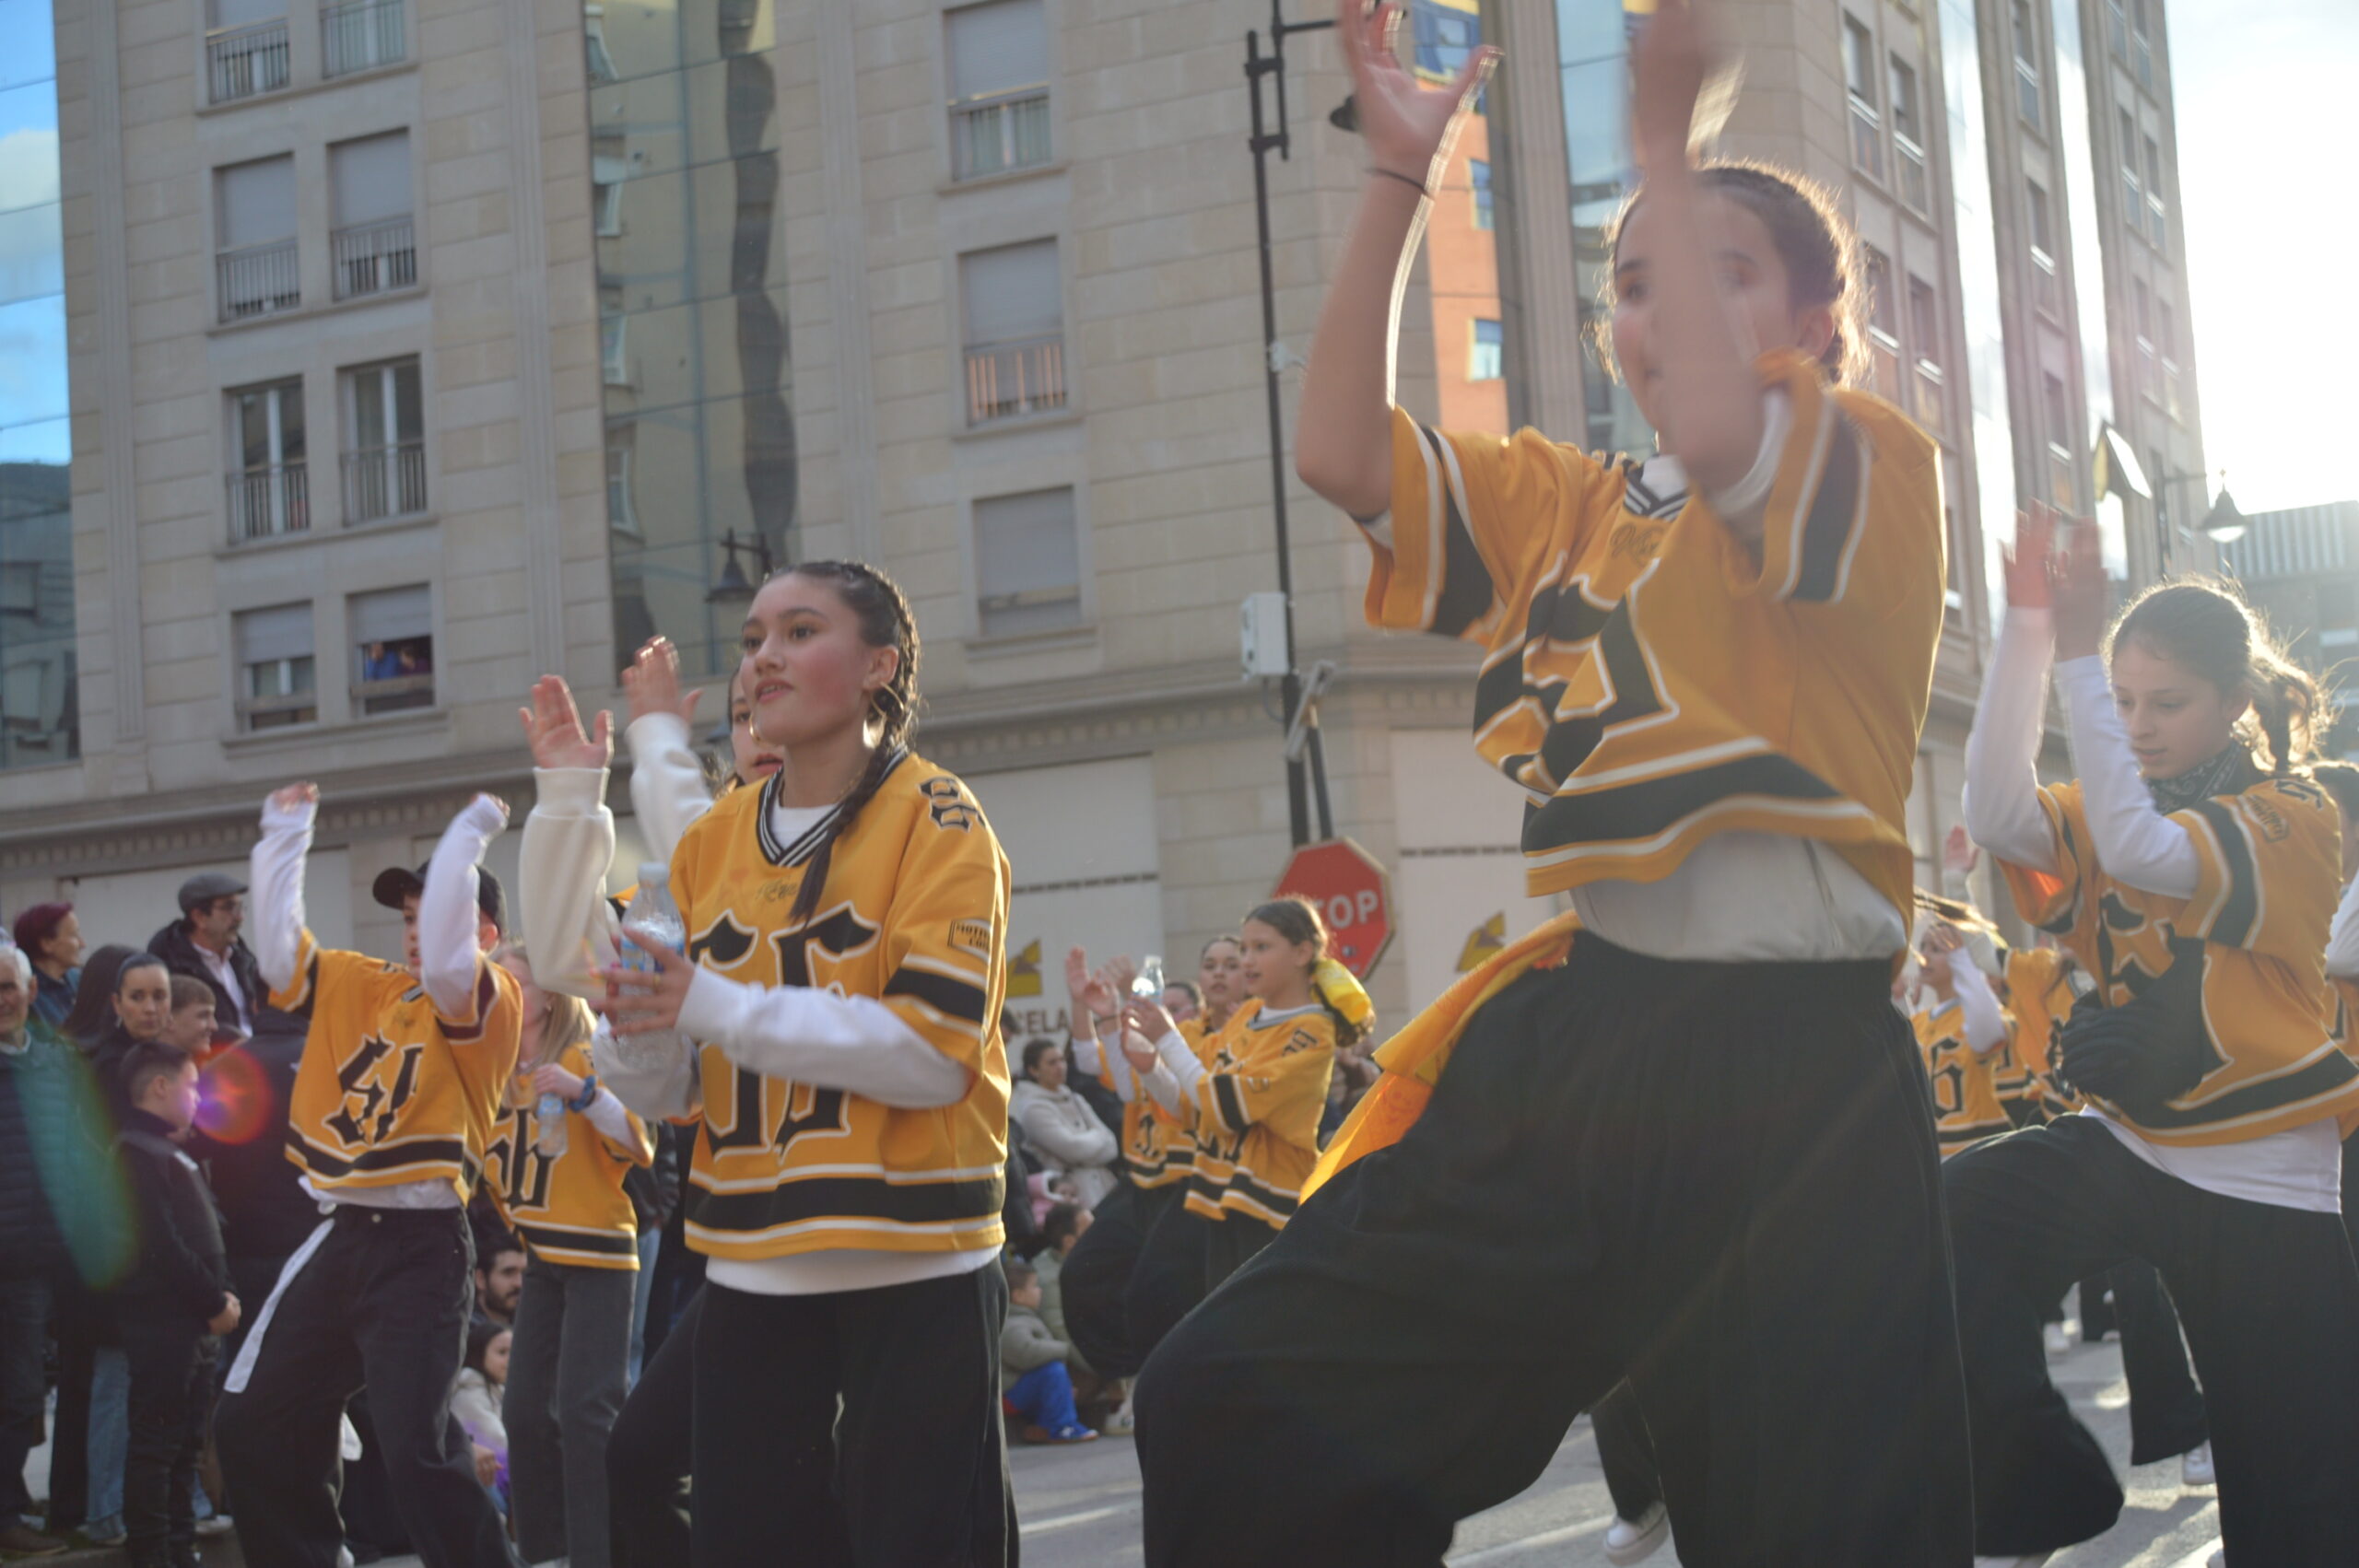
234,1098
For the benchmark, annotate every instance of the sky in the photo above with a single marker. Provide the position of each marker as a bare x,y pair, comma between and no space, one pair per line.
2267,164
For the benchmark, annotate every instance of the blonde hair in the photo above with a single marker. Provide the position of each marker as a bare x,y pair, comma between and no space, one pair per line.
567,1020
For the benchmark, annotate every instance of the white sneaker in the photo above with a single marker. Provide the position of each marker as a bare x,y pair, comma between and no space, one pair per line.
2034,1561
2195,1466
2219,1558
2060,1340
1122,1422
1635,1541
215,1525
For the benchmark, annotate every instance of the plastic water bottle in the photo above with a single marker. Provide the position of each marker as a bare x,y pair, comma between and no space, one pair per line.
548,1126
651,919
1147,984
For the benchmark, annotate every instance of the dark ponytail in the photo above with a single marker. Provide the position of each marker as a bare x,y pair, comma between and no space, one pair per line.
2205,625
886,620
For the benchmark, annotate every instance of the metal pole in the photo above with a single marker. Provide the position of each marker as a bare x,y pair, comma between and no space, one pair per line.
1257,65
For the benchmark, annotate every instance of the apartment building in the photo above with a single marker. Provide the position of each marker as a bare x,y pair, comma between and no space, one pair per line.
416,348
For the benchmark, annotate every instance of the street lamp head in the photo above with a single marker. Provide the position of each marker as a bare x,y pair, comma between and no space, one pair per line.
2223,524
734,587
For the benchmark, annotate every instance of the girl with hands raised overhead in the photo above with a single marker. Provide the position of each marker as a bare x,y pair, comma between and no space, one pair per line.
1705,672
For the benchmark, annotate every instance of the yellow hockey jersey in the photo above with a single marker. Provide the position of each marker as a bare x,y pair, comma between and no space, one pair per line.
2039,997
388,1090
2264,897
1155,1145
915,915
1965,1098
572,1209
1253,1117
1647,680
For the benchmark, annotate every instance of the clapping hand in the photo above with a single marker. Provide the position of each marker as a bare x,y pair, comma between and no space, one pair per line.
1407,126
652,684
553,727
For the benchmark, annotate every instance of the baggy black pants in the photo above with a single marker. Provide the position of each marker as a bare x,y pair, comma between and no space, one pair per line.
383,1300
2270,1298
1718,1180
1098,1275
651,1451
917,1454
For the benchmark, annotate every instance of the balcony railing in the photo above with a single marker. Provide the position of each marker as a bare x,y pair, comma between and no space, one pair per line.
1866,141
1005,132
360,35
1005,380
1927,398
266,502
374,258
381,482
258,280
394,694
242,61
1908,160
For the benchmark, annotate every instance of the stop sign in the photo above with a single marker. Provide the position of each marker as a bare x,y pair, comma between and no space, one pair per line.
1351,895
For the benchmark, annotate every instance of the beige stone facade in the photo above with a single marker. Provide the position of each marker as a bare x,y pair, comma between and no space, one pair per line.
1137,779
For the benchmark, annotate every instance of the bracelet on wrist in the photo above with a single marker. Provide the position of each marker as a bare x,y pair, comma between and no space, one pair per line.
588,1097
1418,185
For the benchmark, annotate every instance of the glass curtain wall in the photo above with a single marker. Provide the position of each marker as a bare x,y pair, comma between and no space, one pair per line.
1593,58
700,439
40,711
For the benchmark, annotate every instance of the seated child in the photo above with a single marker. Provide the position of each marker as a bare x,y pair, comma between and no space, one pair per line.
476,1399
1036,1387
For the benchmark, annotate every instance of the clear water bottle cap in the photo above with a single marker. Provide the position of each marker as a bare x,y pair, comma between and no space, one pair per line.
654,874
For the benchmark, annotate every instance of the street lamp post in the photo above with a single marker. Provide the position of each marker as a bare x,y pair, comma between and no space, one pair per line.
1263,142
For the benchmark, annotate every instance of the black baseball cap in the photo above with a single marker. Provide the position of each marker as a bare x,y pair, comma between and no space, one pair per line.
396,883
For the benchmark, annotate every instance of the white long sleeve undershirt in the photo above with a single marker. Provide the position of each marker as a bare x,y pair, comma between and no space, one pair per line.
2136,844
562,869
667,784
450,921
1985,1026
275,871
2001,804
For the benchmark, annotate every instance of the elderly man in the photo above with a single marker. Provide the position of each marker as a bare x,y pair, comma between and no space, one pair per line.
204,944
54,1180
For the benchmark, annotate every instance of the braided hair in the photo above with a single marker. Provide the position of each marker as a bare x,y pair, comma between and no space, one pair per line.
1296,918
886,620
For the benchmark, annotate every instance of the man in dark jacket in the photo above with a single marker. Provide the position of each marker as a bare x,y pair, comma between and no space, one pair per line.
175,1301
60,1210
204,944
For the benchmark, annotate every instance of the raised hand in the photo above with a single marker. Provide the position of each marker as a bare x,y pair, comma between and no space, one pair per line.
652,684
2083,595
2030,561
1667,65
1408,127
1077,981
295,797
553,727
1958,853
1148,1018
1140,1053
